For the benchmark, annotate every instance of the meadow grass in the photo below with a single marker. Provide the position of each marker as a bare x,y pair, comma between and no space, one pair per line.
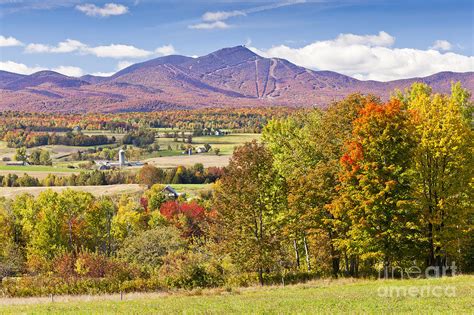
321,296
105,190
226,143
36,168
191,189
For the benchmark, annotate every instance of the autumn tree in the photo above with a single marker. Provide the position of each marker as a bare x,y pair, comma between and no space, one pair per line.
306,150
443,167
148,248
188,217
149,175
11,256
72,205
376,176
154,197
248,201
96,234
20,154
129,220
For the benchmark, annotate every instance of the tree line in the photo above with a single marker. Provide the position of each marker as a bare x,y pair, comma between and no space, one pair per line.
248,120
361,187
148,175
29,139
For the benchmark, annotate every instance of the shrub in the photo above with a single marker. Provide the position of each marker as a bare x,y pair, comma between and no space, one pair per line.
149,247
11,260
92,265
186,269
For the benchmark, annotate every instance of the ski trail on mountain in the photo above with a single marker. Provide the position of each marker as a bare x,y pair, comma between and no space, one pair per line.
256,78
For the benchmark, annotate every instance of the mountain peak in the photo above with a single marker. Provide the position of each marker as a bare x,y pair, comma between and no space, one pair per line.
240,51
47,73
46,77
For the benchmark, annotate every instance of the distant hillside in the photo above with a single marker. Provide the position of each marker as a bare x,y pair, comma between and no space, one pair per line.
230,77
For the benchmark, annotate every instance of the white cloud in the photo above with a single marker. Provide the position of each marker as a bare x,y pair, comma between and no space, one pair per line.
9,41
107,10
370,57
37,48
442,45
12,6
117,51
215,19
123,64
381,39
21,68
103,74
165,50
69,71
209,26
220,15
120,66
69,45
273,6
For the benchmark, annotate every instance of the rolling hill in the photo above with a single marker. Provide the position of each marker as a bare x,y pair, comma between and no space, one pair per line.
233,77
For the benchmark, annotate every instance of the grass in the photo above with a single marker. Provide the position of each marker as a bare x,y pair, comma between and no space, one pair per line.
226,143
36,168
189,160
191,189
105,190
322,296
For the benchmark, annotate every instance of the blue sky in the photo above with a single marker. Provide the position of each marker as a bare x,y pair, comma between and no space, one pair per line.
371,39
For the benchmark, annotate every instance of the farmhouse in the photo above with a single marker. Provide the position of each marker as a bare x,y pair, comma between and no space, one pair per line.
170,192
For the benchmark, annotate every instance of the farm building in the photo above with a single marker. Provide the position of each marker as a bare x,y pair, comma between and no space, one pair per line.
17,163
201,150
170,192
122,162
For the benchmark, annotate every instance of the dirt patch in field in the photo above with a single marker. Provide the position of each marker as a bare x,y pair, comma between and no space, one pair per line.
189,160
110,190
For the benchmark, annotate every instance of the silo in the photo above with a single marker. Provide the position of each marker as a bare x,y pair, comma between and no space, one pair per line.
122,159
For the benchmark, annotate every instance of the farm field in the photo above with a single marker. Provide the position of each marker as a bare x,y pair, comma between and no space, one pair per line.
106,190
174,158
56,151
191,189
189,160
37,171
321,296
225,144
36,168
164,158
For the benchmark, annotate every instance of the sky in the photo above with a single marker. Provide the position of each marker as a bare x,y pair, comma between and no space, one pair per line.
366,39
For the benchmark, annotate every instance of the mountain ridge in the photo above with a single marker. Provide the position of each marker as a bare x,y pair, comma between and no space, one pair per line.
229,77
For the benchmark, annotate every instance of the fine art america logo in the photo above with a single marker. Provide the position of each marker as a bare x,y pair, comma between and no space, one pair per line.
415,272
